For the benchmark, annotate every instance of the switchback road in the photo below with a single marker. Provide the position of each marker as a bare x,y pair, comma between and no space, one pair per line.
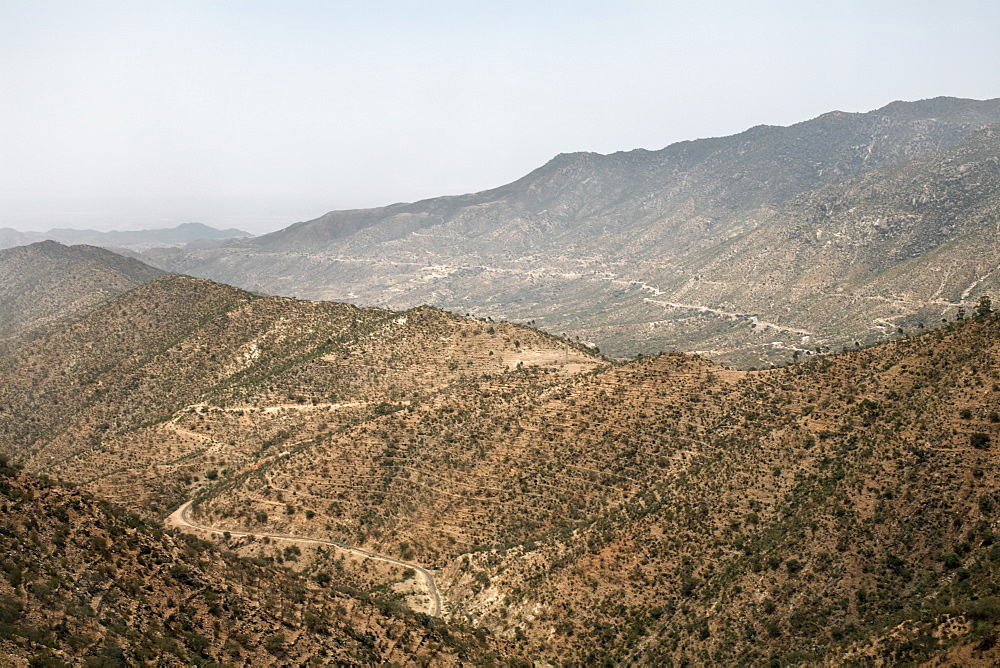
179,518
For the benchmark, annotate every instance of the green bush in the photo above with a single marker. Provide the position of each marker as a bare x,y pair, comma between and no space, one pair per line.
951,560
275,644
979,440
987,609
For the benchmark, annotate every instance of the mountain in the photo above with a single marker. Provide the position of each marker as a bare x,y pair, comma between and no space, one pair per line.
663,510
671,511
117,400
195,234
46,282
698,246
11,237
87,583
893,248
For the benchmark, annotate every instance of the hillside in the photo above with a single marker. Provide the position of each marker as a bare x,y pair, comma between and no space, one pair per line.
180,377
46,282
894,248
667,509
683,248
671,510
86,583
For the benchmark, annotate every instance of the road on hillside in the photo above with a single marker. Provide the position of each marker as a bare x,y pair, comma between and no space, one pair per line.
180,518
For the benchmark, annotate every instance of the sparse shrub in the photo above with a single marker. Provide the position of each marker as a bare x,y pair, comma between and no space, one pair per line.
689,585
951,560
979,440
984,307
11,609
986,504
275,644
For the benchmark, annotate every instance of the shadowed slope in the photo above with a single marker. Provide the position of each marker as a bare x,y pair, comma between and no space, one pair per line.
46,282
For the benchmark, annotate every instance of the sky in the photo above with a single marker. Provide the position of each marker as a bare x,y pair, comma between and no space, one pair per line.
255,114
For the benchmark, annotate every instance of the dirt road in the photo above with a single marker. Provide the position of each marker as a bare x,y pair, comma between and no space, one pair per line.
179,518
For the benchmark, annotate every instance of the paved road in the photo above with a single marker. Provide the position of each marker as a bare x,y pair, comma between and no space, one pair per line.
181,519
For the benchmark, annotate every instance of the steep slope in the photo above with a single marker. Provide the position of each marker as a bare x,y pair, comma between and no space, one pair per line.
573,244
672,510
46,282
86,583
183,378
896,247
664,510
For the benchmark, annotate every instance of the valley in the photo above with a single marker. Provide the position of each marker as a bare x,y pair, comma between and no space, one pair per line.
560,505
829,226
733,402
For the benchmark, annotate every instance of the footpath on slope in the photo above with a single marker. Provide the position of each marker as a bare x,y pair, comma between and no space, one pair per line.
180,519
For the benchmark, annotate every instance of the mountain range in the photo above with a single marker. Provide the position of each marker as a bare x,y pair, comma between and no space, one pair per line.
745,248
559,505
193,472
193,235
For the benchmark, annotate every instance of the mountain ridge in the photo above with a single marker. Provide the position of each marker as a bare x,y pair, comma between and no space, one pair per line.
665,509
185,234
565,244
668,509
46,282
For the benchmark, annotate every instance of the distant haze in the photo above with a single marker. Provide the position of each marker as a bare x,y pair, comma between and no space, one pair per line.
125,115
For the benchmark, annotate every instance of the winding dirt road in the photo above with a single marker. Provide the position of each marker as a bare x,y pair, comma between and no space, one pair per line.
179,518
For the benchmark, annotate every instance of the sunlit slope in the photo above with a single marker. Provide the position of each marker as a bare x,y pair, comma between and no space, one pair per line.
672,509
836,229
184,376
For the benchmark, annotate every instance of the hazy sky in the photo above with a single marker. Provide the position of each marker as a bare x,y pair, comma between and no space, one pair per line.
260,114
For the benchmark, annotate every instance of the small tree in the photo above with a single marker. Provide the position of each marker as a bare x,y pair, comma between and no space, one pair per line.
979,440
985,306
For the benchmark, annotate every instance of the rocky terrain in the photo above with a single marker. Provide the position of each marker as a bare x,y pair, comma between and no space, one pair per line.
830,231
191,473
87,583
674,511
567,508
